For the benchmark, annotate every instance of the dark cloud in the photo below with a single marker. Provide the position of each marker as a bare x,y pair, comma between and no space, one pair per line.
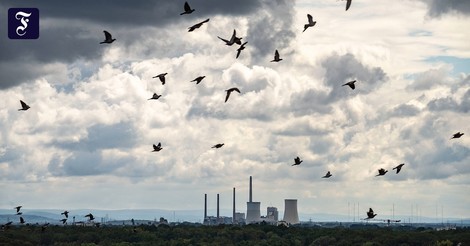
270,29
85,164
439,162
338,70
404,110
72,30
100,137
450,104
441,7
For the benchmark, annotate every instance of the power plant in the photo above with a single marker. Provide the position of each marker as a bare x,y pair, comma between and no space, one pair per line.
290,211
253,212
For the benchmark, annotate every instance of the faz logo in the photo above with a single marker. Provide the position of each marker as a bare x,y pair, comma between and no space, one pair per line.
23,23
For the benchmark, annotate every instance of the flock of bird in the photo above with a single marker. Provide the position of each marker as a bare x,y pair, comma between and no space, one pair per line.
22,221
229,42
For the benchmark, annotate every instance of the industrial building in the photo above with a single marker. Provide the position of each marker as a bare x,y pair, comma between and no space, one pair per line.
253,212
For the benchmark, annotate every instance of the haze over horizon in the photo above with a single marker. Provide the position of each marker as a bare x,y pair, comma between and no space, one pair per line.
86,141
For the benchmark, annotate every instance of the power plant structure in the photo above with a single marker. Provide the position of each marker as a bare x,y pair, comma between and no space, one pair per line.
291,216
253,212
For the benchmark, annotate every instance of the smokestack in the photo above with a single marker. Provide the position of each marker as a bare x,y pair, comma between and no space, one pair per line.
251,192
233,215
217,206
205,206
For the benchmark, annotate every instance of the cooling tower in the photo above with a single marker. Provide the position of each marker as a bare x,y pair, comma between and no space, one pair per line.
291,215
253,213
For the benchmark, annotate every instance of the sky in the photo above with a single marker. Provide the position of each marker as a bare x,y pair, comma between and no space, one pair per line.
86,141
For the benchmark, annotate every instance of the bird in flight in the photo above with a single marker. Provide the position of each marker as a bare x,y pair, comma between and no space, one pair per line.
351,84
161,77
24,106
398,168
370,214
310,23
382,172
239,50
327,175
90,216
233,40
198,79
108,38
22,220
276,57
348,4
18,208
157,147
66,213
63,221
297,161
155,96
457,135
230,91
192,28
218,145
187,9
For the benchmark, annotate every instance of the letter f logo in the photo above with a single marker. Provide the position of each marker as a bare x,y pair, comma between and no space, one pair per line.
23,23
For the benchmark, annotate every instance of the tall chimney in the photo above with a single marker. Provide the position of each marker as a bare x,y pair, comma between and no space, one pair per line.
205,206
251,193
233,215
217,206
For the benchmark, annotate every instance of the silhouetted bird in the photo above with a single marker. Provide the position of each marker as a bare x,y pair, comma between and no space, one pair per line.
348,4
108,38
239,50
161,77
18,208
310,23
297,161
19,213
157,147
457,135
187,9
155,96
370,214
327,175
24,106
90,216
351,84
198,79
21,220
230,91
382,172
66,213
276,57
233,40
218,146
398,168
192,28
63,221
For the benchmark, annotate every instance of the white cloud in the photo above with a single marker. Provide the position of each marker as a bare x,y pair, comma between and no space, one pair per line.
91,126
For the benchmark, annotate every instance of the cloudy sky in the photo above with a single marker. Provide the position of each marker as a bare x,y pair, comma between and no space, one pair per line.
86,141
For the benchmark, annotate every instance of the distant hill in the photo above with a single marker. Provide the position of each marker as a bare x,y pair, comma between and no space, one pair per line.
53,216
